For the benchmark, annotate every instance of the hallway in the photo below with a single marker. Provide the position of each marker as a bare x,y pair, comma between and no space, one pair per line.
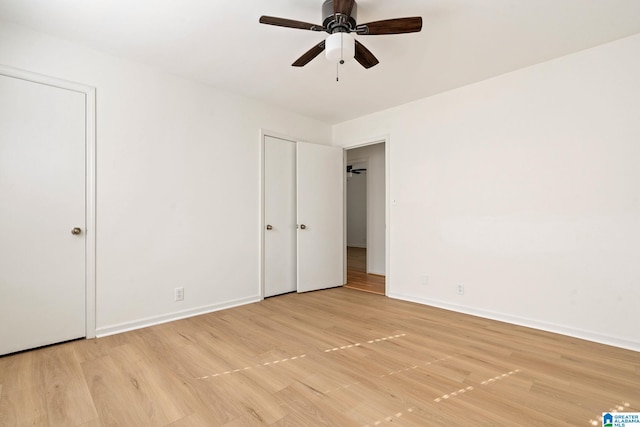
357,277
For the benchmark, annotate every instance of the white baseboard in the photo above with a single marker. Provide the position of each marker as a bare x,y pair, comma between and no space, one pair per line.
170,317
521,321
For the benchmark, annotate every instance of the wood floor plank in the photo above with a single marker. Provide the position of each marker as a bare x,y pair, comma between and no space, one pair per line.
337,357
193,420
24,407
311,409
68,399
113,393
93,423
22,370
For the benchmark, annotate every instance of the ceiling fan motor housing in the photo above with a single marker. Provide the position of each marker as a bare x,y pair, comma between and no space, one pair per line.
332,25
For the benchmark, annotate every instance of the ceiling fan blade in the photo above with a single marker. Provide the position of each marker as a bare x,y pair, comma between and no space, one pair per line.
364,56
391,26
290,23
311,53
343,7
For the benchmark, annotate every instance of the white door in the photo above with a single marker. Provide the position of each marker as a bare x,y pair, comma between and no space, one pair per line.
320,186
42,198
279,216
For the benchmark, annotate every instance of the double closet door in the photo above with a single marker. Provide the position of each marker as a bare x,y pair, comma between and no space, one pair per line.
303,216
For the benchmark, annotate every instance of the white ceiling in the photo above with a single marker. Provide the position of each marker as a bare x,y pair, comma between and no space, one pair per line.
222,44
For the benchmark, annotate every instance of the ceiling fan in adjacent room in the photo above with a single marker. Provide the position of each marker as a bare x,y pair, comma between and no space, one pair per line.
351,170
340,20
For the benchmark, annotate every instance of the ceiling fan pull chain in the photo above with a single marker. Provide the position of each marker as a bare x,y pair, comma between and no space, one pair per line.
341,57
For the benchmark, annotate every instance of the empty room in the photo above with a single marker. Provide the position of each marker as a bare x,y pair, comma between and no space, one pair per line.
177,242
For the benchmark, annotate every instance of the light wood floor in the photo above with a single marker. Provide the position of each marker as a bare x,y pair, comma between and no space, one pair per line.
337,357
357,277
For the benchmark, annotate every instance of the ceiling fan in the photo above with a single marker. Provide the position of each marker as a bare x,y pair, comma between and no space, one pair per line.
350,169
339,20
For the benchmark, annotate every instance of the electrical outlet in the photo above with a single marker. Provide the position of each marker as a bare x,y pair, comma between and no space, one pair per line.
424,280
460,289
179,294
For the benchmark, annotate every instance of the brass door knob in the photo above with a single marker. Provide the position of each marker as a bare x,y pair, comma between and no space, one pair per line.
302,226
75,231
269,227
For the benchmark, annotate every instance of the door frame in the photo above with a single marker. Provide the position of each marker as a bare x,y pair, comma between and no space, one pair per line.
90,180
386,139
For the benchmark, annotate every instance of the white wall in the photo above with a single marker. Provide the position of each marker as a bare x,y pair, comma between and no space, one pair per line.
526,189
176,203
376,193
357,207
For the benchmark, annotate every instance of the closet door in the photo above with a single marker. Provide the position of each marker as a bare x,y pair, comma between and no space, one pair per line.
279,216
42,214
320,186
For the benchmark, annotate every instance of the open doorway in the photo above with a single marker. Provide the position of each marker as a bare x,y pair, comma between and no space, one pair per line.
365,218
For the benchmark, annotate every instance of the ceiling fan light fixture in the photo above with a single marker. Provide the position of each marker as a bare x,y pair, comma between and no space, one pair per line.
340,47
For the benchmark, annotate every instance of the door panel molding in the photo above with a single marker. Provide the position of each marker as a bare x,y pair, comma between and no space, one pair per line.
90,180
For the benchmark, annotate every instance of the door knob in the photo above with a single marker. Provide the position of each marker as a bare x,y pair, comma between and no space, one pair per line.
75,231
302,226
269,227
